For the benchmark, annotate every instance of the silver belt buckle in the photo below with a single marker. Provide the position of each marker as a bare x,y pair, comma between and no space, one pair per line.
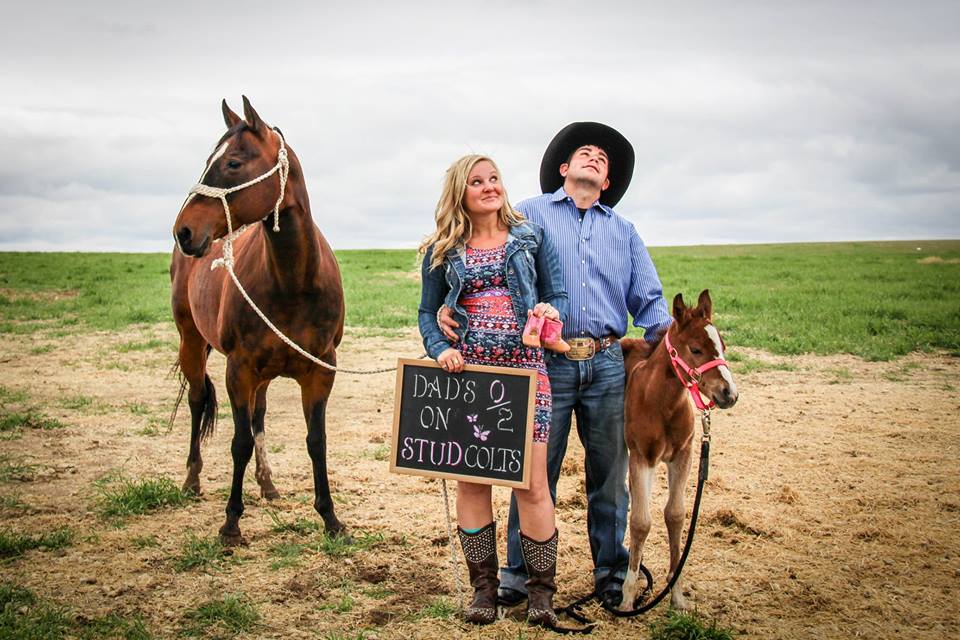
581,349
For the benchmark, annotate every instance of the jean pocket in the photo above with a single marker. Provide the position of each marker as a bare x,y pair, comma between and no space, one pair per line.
614,352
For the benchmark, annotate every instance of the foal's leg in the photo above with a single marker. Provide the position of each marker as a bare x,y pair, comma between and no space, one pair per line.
201,397
678,470
242,389
641,484
263,473
315,389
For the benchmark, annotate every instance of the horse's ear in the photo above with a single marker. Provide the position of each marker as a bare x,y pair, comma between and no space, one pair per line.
251,116
679,309
705,305
229,117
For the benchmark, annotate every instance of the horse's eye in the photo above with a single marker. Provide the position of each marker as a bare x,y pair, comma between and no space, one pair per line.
233,164
695,351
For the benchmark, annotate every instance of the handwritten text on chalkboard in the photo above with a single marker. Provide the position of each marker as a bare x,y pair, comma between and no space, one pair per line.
471,426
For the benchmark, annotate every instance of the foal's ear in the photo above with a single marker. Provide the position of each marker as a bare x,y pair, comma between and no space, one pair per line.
229,117
256,124
705,305
679,309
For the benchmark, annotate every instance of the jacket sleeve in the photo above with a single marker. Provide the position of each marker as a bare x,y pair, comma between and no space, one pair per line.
433,290
550,287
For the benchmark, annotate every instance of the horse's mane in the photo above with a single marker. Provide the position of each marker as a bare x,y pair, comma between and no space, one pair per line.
657,339
237,128
638,351
232,131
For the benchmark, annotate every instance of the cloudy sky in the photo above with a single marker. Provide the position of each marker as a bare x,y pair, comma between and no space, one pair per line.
752,121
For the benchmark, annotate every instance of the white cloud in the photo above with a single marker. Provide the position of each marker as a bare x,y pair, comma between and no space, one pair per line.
751,121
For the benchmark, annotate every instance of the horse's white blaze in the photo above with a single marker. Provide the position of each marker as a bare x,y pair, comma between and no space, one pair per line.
718,345
216,156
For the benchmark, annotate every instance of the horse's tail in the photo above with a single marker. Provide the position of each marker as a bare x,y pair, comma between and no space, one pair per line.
208,417
175,371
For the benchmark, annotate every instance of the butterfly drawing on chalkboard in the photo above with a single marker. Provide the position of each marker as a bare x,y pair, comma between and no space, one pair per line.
478,432
472,418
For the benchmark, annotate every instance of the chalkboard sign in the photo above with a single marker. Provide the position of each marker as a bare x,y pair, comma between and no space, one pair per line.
475,426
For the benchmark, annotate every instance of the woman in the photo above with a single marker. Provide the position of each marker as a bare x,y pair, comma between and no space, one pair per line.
493,269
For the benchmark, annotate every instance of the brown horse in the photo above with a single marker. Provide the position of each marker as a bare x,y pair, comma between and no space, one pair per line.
290,273
659,423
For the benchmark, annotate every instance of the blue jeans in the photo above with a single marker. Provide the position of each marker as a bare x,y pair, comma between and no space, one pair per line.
593,390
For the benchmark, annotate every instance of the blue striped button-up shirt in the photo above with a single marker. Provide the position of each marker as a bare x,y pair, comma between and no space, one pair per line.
606,268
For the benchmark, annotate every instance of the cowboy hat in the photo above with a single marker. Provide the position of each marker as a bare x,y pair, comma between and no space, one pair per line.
577,134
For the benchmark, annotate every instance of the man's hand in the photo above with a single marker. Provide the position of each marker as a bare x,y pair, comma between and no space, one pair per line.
451,361
447,324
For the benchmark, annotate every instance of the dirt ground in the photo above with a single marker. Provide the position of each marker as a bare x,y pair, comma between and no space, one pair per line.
831,510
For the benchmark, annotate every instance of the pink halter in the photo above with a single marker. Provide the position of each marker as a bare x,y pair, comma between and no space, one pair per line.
693,375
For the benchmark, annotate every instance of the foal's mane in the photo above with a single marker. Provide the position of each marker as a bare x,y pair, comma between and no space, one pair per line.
657,339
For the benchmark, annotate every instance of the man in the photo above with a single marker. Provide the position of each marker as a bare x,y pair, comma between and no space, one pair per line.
607,273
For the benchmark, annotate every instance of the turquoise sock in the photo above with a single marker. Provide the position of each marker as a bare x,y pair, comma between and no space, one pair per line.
471,531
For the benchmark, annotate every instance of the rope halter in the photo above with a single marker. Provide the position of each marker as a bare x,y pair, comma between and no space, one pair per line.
282,168
691,376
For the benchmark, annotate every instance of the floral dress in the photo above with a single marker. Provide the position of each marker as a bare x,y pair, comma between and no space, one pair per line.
493,336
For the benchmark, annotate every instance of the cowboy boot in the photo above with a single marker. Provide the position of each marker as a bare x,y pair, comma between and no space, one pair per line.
480,551
552,336
531,331
540,559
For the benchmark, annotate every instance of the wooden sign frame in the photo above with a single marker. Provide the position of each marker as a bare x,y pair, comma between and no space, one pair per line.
530,374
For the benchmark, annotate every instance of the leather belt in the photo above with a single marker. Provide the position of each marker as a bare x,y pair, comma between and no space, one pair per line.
586,348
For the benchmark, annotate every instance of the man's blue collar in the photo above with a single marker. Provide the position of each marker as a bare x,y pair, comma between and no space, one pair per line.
561,194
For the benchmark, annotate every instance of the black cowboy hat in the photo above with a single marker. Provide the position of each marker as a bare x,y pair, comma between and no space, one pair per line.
575,135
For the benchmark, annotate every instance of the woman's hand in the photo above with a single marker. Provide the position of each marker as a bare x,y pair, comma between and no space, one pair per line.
546,310
451,361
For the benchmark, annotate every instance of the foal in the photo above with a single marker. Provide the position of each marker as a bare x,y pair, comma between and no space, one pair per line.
659,424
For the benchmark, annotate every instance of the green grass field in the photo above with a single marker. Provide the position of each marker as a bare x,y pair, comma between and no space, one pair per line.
874,299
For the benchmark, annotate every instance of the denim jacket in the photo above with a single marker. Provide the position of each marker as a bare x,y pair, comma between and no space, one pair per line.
533,275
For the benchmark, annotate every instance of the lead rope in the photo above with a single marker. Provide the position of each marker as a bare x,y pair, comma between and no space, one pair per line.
453,547
573,609
283,168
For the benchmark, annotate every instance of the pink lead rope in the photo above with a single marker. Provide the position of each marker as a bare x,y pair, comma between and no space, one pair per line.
693,375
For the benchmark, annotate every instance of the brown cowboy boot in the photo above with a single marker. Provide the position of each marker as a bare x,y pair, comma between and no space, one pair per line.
480,551
540,559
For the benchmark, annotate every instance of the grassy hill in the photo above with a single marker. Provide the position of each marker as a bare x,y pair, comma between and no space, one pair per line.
873,299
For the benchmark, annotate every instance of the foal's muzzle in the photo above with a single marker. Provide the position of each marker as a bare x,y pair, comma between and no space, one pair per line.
725,397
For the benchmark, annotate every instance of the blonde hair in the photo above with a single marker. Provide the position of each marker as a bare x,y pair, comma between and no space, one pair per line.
453,224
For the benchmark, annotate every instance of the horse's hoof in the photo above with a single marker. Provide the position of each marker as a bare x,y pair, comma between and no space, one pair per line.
270,494
337,529
233,540
191,487
231,537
